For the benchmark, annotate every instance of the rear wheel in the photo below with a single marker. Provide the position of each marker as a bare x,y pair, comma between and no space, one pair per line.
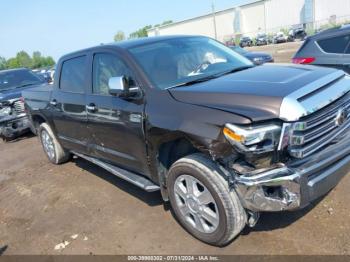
202,201
52,148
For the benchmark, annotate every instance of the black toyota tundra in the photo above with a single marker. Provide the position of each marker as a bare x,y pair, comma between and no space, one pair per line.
222,139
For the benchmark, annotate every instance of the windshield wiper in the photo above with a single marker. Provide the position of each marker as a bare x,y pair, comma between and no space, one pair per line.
234,70
192,82
207,78
27,85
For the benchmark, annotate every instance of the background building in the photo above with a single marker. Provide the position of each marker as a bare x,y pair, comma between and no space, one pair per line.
268,16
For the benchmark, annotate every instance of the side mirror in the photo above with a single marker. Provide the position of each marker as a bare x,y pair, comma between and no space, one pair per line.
118,86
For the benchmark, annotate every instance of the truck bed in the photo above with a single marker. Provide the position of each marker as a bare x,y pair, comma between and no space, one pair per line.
37,97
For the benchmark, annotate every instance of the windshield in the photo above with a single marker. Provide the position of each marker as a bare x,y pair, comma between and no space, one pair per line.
174,62
18,78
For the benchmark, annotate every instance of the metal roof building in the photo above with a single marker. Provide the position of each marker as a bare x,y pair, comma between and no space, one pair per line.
255,16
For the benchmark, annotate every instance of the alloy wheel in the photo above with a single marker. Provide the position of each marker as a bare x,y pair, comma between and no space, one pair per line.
48,144
196,204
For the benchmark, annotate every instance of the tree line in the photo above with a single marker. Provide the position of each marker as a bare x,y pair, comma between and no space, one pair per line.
23,59
142,32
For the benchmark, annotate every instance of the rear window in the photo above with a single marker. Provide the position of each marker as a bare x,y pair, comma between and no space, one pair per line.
17,79
73,75
334,44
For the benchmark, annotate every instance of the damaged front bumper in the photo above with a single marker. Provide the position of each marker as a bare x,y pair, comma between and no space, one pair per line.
296,184
13,126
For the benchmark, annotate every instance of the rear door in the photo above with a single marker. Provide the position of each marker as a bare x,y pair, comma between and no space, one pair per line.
116,124
68,104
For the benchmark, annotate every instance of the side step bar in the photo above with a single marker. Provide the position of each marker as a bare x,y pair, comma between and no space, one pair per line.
133,178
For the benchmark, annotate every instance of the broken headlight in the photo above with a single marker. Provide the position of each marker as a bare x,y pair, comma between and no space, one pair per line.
5,111
255,139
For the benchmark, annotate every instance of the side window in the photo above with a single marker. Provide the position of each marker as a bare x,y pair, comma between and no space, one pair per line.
335,44
73,75
106,66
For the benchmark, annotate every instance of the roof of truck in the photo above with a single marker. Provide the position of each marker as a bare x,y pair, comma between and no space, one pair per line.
127,44
148,40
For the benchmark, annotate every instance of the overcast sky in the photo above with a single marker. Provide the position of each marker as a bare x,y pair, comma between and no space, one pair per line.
55,27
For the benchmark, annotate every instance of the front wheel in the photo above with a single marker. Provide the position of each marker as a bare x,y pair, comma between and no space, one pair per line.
202,201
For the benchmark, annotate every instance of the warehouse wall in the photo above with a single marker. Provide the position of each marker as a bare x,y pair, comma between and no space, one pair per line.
269,15
201,26
324,9
283,13
253,18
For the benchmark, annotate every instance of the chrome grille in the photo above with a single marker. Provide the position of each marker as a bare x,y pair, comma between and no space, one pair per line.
19,107
320,129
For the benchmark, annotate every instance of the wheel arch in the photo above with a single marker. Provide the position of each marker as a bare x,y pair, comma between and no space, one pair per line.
180,145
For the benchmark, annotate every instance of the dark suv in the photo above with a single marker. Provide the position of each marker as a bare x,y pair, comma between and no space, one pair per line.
220,138
328,48
245,41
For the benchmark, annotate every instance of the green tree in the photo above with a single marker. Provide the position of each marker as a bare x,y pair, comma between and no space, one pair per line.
166,22
37,60
24,60
49,61
13,63
119,36
3,63
142,32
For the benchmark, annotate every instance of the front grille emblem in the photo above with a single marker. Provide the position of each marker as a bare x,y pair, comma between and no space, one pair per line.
341,117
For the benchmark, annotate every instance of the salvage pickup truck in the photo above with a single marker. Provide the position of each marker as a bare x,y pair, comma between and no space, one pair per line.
13,118
222,139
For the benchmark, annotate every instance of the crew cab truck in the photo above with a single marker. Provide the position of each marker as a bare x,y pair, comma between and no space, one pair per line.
222,139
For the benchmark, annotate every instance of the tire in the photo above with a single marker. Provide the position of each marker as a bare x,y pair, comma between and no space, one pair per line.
230,217
55,153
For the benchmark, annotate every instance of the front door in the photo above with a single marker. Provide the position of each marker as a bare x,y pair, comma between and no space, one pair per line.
116,124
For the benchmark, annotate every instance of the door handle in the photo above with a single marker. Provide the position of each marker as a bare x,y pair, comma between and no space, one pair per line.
53,102
91,107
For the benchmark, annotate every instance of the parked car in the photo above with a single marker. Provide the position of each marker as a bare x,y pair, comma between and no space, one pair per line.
279,37
261,39
296,33
245,41
13,119
328,48
44,73
222,139
45,76
257,58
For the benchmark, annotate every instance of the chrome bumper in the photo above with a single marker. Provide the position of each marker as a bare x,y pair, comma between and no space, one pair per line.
298,183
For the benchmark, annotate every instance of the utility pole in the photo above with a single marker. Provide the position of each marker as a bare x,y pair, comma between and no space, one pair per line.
214,19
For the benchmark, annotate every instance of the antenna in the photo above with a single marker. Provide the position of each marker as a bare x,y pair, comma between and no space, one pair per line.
214,18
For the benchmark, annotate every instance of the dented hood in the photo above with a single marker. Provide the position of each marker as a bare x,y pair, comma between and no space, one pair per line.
259,92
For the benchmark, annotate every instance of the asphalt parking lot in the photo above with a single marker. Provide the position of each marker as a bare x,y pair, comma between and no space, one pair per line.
78,208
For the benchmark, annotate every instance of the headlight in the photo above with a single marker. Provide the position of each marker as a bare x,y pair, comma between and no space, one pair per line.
258,59
257,139
5,111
